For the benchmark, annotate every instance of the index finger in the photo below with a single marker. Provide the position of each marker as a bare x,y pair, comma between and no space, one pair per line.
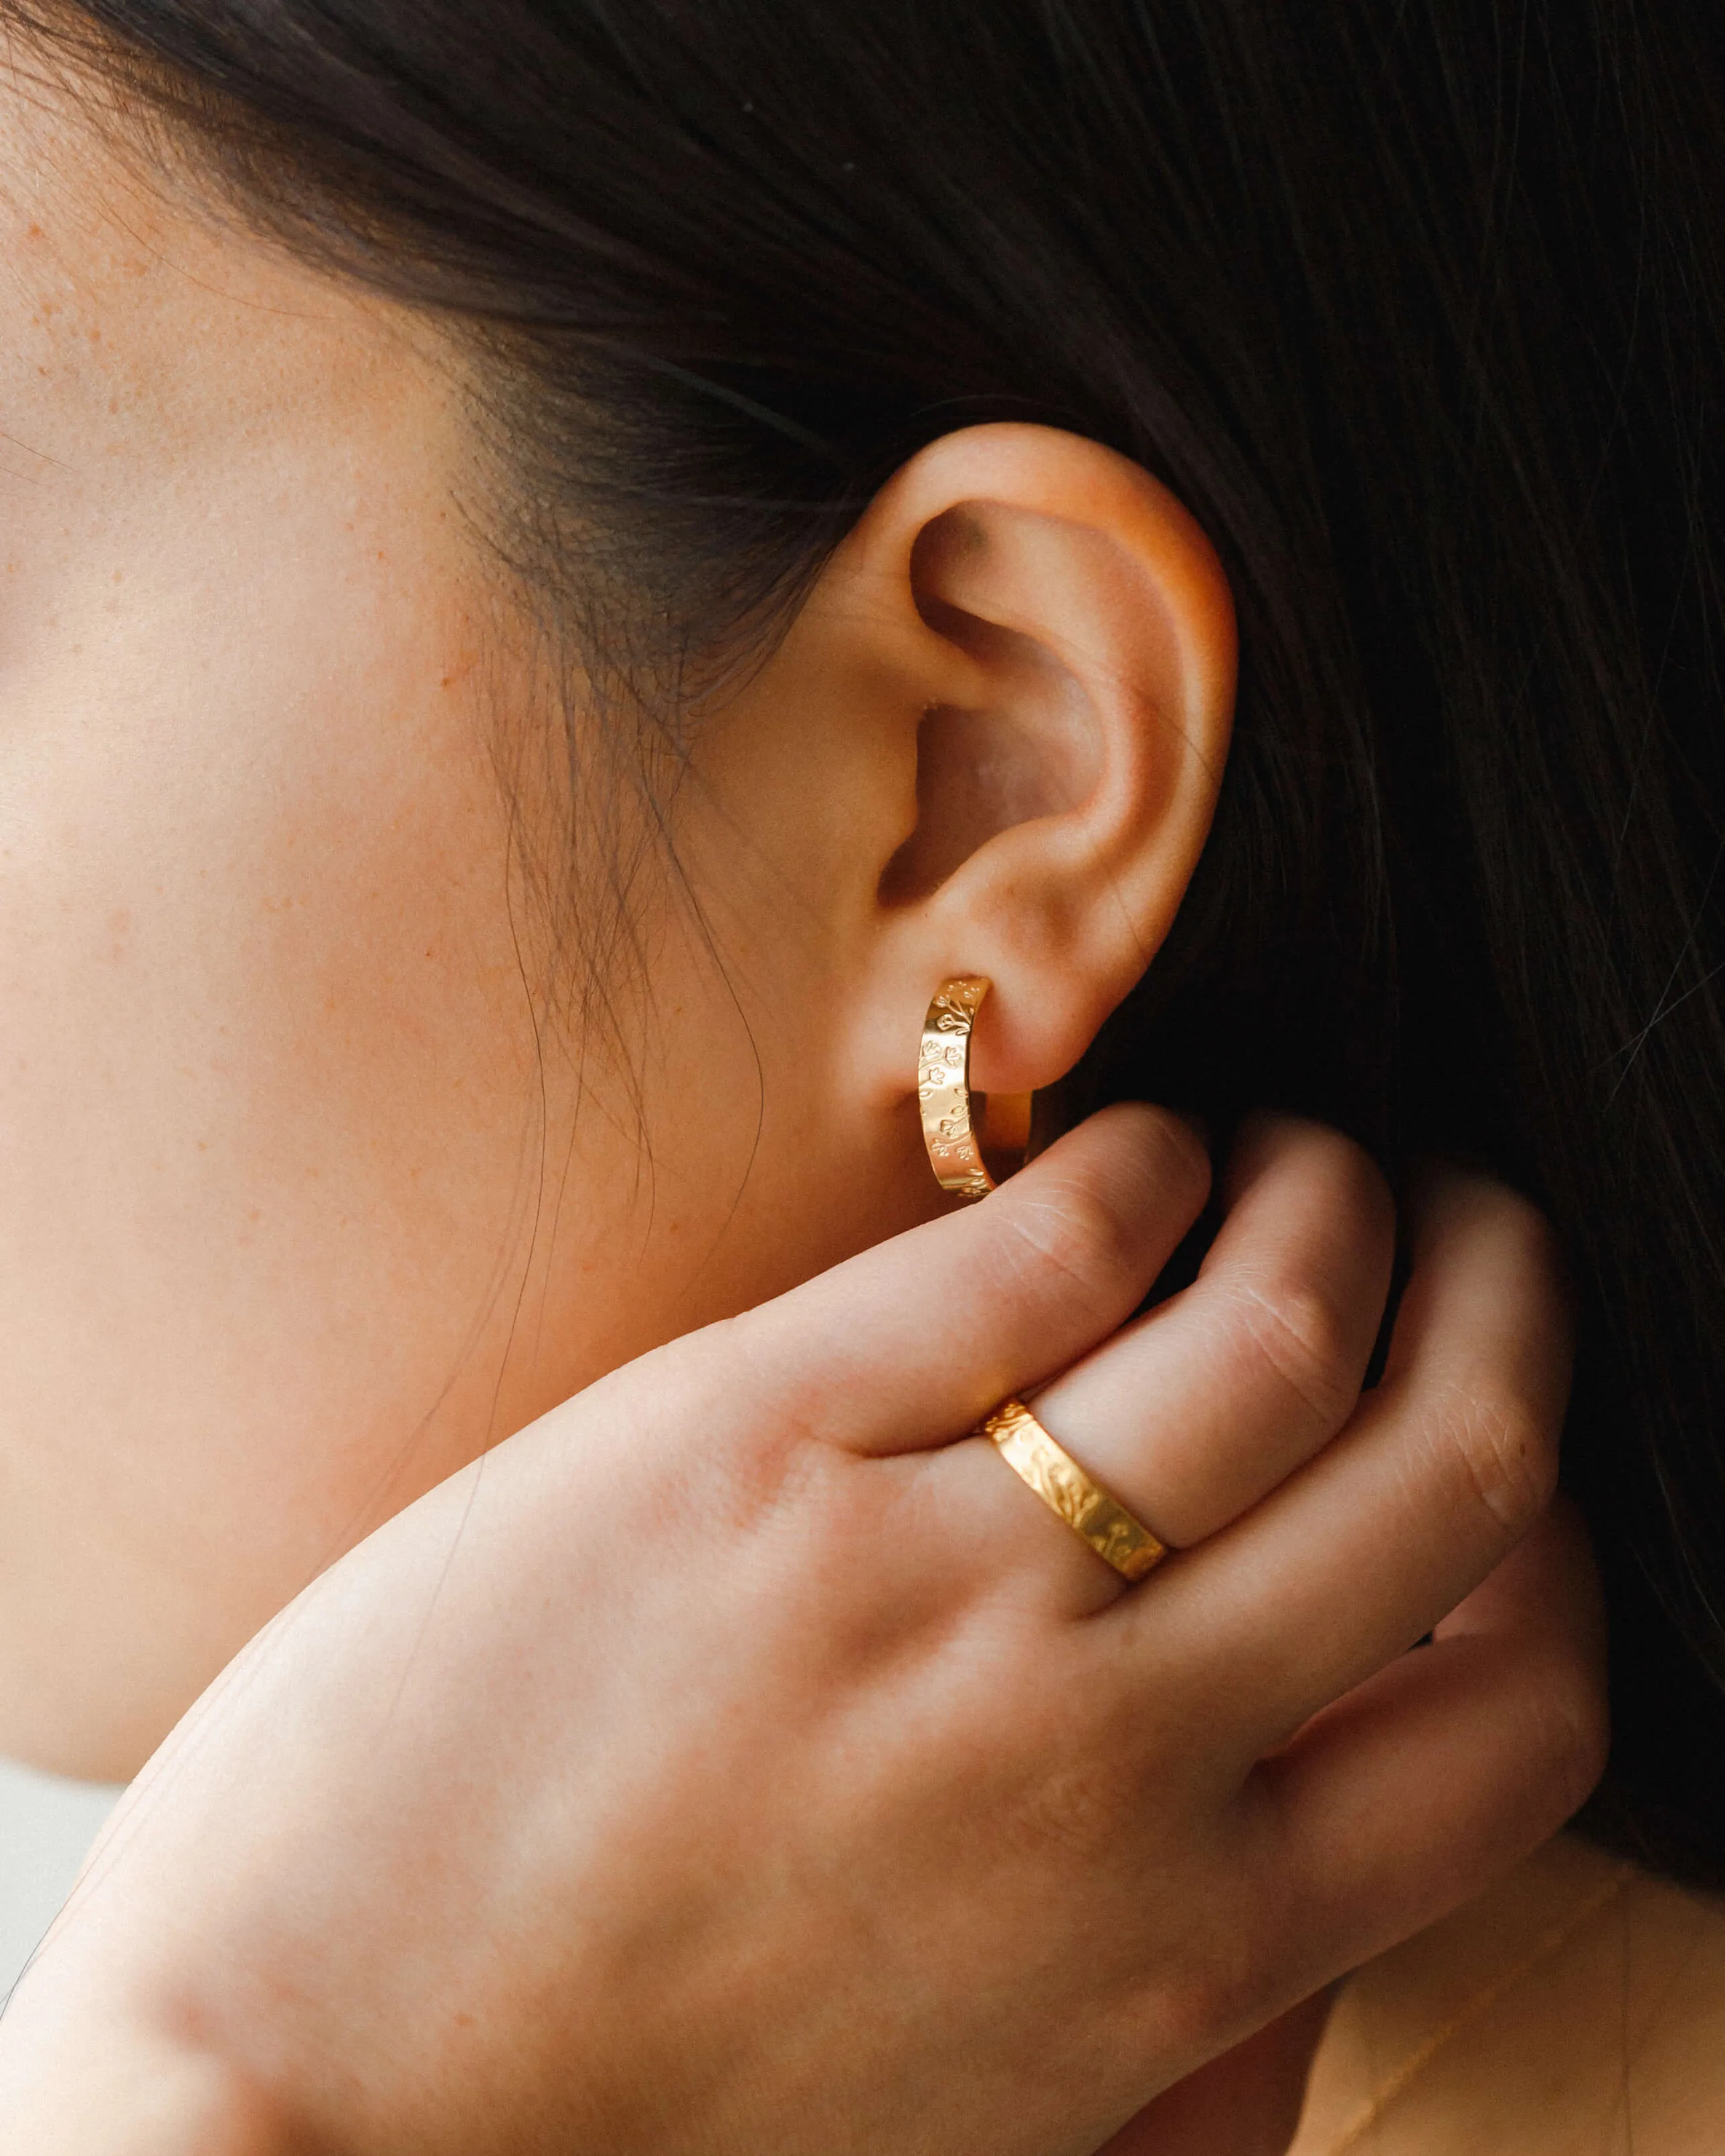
913,1342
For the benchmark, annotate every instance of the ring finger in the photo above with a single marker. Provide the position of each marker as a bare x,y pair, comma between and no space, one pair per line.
1199,1409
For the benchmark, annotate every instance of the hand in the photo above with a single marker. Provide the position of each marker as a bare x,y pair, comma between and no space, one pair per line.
1247,2101
742,1758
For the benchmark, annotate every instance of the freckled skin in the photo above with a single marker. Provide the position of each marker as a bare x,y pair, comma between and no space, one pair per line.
299,1213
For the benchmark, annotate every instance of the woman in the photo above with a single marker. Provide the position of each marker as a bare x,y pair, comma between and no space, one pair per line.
818,465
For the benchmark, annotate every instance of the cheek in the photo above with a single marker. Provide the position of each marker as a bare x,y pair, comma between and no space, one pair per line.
265,1065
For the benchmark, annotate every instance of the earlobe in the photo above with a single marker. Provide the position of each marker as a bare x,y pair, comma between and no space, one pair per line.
1078,643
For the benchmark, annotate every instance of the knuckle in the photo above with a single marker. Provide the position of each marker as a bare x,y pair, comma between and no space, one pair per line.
1504,1230
1334,1170
1094,1227
1073,1231
1219,1987
1587,1747
1532,1241
1519,1216
1208,1999
1173,1162
1156,1163
1508,1450
1305,1340
1362,1191
1572,1736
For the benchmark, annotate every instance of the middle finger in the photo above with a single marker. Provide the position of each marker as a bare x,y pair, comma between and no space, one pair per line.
1195,1412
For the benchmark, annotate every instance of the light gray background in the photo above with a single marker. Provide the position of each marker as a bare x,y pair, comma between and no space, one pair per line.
46,1827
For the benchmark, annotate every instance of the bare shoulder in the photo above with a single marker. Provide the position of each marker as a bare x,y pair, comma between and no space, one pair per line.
1576,2010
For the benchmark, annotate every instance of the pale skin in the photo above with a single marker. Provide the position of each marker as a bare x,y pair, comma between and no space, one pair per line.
702,1744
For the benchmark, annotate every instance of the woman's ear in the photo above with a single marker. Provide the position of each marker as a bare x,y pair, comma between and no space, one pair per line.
997,730
1067,755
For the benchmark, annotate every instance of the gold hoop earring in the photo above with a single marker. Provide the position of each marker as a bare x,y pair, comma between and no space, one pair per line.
964,1131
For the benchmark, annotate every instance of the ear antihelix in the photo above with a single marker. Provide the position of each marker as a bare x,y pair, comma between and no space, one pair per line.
975,1140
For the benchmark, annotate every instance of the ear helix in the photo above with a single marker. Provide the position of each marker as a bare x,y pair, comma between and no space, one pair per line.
973,1139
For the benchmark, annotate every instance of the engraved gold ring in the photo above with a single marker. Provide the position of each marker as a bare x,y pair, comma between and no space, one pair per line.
1097,1518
